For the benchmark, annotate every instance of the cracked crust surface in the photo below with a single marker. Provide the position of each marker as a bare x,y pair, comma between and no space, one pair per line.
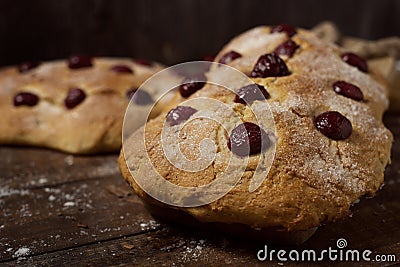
313,179
93,126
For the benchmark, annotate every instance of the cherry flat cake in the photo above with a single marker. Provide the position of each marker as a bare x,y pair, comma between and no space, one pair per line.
75,105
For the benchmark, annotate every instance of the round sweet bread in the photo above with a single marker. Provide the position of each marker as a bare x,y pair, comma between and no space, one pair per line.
331,147
75,105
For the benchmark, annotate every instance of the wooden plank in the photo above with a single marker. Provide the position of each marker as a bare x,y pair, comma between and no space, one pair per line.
51,218
167,247
176,246
24,168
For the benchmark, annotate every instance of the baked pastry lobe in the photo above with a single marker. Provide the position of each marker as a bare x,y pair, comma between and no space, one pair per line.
331,147
382,55
75,105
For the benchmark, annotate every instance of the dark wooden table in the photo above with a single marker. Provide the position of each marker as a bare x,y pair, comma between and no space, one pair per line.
58,209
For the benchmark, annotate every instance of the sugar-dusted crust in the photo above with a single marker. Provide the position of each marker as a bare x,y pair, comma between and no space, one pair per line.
92,126
313,179
382,55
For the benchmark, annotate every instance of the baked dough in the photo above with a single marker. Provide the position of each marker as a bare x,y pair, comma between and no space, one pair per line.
93,125
383,55
313,179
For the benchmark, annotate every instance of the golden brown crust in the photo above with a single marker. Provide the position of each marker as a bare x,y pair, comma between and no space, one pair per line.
313,179
92,126
168,213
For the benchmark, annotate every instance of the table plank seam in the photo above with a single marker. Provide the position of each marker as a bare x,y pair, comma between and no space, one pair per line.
85,244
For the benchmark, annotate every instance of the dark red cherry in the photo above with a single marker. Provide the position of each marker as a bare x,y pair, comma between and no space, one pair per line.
247,139
141,98
269,65
26,66
130,93
287,48
25,99
356,61
229,57
144,62
79,61
288,29
179,114
208,58
348,90
74,97
334,125
192,84
121,69
251,93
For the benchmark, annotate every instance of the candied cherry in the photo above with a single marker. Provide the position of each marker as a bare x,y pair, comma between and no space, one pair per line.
250,93
79,61
229,57
74,97
26,66
192,84
269,65
287,48
141,98
355,61
121,69
247,139
288,29
348,90
25,99
179,114
333,125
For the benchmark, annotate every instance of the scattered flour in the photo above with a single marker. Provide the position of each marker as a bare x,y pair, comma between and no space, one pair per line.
69,204
42,180
151,225
6,192
69,160
52,190
22,252
192,251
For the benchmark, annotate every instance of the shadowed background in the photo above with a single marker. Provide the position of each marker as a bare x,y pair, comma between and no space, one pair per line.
169,31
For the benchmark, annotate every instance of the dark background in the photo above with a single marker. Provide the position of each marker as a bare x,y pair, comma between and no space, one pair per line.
169,31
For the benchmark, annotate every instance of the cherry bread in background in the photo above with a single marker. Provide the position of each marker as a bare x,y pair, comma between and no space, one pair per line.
75,105
331,145
382,55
